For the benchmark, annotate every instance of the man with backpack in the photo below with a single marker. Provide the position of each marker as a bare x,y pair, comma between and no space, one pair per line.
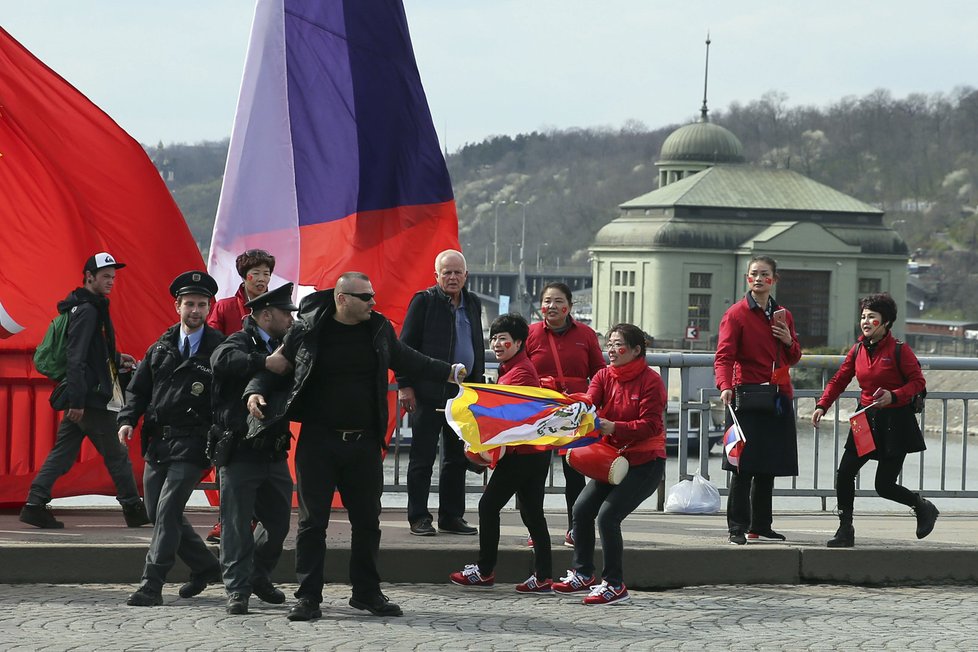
93,398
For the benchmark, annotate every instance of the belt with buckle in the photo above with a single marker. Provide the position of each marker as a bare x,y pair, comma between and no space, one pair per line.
351,435
172,432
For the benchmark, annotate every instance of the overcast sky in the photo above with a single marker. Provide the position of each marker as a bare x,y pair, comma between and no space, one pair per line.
170,70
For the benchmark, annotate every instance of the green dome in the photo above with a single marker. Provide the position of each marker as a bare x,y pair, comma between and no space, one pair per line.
702,142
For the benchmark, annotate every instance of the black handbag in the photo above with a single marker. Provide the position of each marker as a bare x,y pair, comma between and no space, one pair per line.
756,398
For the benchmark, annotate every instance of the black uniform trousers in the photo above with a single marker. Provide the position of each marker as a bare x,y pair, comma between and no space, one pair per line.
168,486
326,461
253,489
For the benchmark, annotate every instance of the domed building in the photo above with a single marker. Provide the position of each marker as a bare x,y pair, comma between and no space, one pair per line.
675,259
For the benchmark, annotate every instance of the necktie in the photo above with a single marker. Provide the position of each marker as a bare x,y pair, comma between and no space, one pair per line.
186,348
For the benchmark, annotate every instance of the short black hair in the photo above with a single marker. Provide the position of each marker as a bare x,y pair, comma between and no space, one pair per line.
633,335
560,287
511,323
882,303
253,258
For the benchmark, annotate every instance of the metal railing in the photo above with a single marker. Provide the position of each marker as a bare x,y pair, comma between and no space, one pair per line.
820,449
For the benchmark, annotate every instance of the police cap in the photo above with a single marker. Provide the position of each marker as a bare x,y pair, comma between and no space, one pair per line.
280,297
193,282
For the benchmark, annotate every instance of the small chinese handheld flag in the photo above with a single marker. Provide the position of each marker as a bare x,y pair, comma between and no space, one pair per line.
862,434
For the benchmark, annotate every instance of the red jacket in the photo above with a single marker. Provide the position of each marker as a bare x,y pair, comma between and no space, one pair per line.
227,315
580,354
518,370
747,350
636,407
878,371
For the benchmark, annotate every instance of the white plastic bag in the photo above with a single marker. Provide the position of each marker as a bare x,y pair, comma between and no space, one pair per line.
696,496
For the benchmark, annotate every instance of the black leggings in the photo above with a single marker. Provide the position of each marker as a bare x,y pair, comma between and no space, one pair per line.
887,471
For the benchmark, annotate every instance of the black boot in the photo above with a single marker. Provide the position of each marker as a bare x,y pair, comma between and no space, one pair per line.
927,515
845,536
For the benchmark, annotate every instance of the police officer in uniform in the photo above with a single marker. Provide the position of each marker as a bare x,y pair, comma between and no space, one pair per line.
255,478
172,389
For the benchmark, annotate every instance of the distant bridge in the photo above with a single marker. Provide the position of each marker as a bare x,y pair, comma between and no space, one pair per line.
504,280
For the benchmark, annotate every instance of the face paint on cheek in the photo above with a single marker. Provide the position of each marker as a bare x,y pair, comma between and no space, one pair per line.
507,345
622,350
876,322
251,277
769,281
563,311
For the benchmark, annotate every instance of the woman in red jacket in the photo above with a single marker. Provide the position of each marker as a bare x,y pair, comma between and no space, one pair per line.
631,399
757,345
522,471
566,355
255,268
888,379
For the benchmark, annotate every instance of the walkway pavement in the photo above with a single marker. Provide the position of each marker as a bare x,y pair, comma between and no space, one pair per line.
691,590
439,617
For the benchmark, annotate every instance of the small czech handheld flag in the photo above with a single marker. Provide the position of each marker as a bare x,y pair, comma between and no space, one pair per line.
733,441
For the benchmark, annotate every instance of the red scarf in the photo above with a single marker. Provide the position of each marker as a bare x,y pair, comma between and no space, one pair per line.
628,371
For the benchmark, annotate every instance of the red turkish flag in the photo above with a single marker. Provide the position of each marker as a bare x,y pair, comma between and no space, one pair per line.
72,184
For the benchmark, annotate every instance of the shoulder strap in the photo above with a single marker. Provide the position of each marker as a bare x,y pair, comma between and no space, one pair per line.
553,350
896,357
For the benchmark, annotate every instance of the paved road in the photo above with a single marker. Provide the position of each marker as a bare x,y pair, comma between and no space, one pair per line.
439,617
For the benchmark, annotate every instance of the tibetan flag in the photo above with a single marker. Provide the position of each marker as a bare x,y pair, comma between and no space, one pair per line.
733,441
862,434
72,184
334,164
486,417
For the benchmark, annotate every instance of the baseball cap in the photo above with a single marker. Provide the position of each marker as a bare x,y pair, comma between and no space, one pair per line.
100,261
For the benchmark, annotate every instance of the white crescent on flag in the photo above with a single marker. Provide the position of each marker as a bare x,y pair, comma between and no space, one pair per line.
8,327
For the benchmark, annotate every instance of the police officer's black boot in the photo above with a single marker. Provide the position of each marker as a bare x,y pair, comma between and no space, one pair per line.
927,514
845,536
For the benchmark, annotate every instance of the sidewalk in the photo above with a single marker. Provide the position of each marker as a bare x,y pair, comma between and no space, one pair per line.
661,550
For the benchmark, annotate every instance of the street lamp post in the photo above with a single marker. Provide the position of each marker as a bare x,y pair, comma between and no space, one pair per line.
521,279
495,232
539,247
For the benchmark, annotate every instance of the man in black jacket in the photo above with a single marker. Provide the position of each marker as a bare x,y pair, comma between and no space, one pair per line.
94,398
339,352
255,477
444,322
172,388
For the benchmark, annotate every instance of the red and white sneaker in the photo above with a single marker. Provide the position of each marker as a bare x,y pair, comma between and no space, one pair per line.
574,582
569,539
529,542
470,576
535,586
605,593
214,536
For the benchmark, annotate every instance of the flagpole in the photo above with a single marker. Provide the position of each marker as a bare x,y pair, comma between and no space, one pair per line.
736,422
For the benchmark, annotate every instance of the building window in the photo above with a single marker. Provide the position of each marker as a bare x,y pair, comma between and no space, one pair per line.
698,311
870,286
700,280
623,297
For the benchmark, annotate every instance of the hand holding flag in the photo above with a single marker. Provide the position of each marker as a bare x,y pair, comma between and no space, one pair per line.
733,440
486,417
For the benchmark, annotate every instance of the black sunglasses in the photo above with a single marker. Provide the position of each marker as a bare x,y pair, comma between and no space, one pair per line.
363,296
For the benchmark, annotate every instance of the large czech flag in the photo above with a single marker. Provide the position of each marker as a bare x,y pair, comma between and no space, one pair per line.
334,164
